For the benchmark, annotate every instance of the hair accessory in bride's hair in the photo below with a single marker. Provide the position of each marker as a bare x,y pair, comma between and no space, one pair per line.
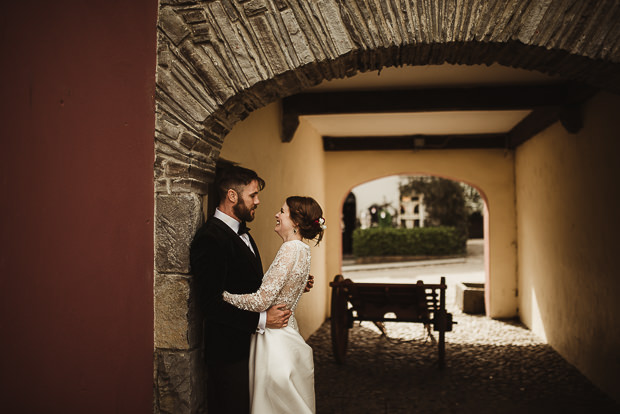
321,222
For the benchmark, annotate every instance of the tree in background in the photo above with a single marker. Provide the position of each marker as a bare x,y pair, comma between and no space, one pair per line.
475,209
380,215
446,201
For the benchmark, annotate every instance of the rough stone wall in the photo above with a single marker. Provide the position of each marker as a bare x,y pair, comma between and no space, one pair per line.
178,377
220,60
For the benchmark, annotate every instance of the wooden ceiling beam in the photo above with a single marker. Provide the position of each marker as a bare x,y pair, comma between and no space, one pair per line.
414,142
569,114
535,122
539,98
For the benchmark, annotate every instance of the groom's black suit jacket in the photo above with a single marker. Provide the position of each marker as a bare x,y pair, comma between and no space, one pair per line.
220,261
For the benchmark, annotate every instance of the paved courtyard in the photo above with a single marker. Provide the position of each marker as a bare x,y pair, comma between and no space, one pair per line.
491,366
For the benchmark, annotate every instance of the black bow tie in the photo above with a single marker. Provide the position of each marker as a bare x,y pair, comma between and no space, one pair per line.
243,228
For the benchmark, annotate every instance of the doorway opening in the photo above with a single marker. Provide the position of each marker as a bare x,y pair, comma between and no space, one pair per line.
385,223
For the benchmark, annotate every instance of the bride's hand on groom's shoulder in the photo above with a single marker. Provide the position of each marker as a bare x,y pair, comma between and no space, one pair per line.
277,317
309,284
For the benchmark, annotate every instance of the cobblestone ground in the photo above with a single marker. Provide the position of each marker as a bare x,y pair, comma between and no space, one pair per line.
491,367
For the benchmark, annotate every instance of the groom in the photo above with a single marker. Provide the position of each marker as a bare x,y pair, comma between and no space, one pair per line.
223,256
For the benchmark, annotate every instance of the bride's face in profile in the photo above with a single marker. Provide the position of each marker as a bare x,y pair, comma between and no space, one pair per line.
284,224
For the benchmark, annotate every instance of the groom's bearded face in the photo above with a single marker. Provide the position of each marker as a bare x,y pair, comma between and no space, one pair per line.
247,202
243,212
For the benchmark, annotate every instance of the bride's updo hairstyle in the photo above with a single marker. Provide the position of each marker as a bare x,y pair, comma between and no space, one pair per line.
308,216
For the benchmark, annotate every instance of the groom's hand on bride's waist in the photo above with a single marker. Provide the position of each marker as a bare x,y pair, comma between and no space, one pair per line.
309,284
277,316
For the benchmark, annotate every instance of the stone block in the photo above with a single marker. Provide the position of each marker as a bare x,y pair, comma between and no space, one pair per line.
202,62
271,44
176,326
178,2
336,29
281,4
201,33
254,7
162,185
193,15
173,25
187,140
169,128
203,147
176,169
298,38
178,218
184,186
176,94
470,297
180,382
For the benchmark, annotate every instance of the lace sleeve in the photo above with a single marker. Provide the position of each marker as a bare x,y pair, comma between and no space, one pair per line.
273,281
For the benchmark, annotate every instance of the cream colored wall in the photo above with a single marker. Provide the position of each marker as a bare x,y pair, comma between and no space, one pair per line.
295,168
568,205
490,171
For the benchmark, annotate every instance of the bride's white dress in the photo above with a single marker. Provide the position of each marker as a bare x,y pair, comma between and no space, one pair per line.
281,364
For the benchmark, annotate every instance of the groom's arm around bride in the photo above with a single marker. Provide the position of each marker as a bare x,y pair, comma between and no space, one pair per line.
222,259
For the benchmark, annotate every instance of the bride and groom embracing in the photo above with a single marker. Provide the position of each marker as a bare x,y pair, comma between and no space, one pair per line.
256,359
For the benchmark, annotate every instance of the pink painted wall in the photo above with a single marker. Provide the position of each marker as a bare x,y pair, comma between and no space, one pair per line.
76,209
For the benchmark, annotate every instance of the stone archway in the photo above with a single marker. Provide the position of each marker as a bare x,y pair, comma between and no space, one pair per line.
220,60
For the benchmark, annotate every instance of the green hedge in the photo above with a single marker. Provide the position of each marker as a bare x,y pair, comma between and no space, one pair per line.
424,241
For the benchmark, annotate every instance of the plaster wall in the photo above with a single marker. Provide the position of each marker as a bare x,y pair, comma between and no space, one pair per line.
490,171
567,203
295,168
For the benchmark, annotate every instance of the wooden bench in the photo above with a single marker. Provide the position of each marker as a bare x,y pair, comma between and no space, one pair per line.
419,302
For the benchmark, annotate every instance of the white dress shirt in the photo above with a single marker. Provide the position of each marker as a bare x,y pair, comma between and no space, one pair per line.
234,225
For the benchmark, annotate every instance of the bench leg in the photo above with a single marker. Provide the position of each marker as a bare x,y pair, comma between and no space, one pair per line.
442,328
442,349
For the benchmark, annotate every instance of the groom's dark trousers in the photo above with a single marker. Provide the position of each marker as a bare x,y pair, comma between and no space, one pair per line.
226,384
220,261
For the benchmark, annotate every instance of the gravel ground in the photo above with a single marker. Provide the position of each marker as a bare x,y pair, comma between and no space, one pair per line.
491,367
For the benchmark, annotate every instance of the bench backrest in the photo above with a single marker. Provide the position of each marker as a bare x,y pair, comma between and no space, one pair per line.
410,302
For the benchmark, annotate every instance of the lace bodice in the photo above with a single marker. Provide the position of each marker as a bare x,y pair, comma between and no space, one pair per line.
283,283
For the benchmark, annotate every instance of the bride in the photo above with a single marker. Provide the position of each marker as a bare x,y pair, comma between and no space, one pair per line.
281,365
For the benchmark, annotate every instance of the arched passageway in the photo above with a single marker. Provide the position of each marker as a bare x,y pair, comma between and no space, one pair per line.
490,171
218,61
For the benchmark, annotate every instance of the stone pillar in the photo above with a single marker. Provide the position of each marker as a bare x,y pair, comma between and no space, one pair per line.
179,375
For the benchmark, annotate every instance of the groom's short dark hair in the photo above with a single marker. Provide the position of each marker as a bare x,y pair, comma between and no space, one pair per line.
235,177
